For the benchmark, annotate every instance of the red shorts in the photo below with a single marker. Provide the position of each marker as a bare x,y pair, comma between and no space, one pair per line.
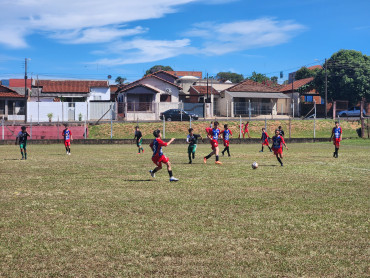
214,144
336,142
67,143
265,143
226,143
278,151
246,131
158,160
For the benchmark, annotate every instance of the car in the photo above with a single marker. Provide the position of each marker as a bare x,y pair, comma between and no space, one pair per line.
352,112
178,115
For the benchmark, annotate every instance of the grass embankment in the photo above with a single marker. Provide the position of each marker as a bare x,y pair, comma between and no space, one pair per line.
299,128
99,213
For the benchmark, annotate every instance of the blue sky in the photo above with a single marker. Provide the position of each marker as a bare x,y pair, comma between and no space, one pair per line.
91,39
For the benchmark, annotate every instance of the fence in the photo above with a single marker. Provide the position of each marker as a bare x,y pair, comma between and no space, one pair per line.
70,111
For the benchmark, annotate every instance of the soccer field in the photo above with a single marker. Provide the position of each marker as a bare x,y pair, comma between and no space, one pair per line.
99,212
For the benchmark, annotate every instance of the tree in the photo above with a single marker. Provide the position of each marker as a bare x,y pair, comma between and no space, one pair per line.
258,77
274,79
120,80
348,75
304,72
231,76
157,68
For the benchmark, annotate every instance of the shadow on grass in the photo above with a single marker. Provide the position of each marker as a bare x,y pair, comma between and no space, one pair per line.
140,180
12,159
268,165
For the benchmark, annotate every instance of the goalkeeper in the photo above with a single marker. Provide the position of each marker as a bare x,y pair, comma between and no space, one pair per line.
192,140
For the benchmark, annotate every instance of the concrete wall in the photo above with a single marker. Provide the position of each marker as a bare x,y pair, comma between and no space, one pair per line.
99,94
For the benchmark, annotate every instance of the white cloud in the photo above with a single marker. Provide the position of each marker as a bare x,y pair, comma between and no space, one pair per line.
77,20
141,51
242,35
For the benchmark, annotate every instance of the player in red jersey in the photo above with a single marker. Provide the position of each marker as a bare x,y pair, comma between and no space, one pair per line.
336,134
67,136
158,157
246,130
277,146
213,134
265,140
226,135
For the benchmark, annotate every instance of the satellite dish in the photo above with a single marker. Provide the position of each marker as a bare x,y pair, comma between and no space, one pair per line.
168,90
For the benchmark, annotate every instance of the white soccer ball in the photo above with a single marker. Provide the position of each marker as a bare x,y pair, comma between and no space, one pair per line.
255,165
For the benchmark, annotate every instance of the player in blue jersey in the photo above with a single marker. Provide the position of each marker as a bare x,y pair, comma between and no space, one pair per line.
22,137
277,146
213,134
265,140
67,136
336,135
158,157
226,135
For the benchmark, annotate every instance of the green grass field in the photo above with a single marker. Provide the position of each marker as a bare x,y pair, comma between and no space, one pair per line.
98,213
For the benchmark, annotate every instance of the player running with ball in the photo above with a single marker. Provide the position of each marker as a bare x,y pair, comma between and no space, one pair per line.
277,146
213,134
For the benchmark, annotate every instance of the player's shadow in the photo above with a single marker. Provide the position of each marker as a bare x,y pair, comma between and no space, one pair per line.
57,154
140,180
268,165
11,159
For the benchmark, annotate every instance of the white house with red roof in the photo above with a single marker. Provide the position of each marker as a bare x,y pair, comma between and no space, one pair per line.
146,98
11,104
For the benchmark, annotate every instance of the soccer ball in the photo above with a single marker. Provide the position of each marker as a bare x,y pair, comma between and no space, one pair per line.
255,165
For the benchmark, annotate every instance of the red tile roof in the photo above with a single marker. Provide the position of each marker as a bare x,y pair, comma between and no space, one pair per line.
9,93
251,86
19,83
315,67
186,73
202,90
69,86
296,84
132,84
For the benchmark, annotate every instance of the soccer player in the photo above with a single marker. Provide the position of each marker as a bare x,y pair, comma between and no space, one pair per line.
22,137
277,146
226,134
192,140
139,139
281,131
158,157
246,130
336,134
265,140
67,136
213,134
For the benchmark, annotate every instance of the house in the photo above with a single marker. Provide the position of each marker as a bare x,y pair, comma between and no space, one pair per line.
249,98
147,97
302,92
70,90
11,104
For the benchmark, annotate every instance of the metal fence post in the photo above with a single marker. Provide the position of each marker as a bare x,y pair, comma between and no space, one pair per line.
227,109
293,108
111,122
181,110
265,123
2,126
164,127
290,127
314,123
190,122
31,128
249,108
58,129
240,126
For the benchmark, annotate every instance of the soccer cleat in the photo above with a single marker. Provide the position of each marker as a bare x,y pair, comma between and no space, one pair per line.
281,164
336,155
205,160
333,154
138,153
218,162
173,179
69,153
151,173
142,150
222,153
270,150
190,162
261,151
229,155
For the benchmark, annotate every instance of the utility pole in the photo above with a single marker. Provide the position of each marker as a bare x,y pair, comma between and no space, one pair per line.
326,90
25,90
207,87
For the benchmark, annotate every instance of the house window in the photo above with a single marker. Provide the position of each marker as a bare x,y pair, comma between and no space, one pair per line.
308,98
165,98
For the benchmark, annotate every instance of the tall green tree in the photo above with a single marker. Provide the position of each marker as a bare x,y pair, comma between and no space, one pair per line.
120,80
231,76
157,68
348,75
305,72
258,77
